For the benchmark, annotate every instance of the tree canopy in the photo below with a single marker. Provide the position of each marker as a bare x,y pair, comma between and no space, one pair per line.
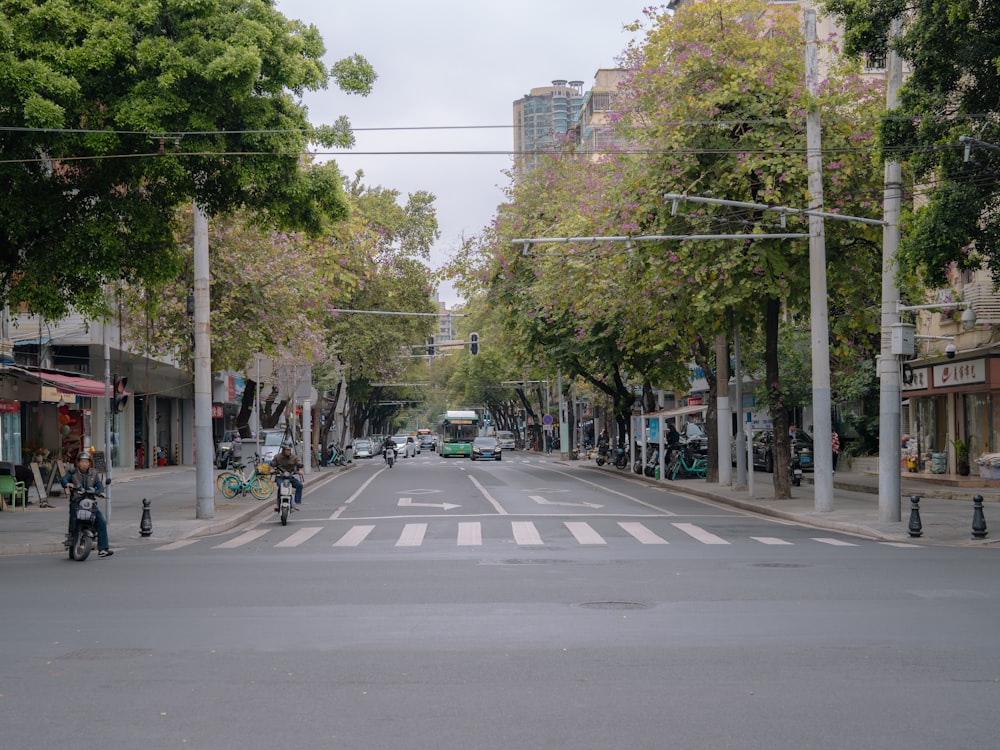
952,90
113,112
713,103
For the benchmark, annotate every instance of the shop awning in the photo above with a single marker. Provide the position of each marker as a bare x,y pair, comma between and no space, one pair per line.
72,385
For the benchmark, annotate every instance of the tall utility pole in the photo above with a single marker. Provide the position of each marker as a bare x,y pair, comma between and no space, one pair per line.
818,315
204,489
888,366
724,411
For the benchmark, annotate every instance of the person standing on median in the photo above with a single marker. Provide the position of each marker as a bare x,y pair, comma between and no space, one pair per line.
82,477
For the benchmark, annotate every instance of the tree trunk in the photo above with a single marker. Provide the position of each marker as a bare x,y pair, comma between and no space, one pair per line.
246,408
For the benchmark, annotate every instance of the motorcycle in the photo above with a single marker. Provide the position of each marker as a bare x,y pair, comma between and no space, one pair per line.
286,492
390,456
83,503
603,454
795,467
621,458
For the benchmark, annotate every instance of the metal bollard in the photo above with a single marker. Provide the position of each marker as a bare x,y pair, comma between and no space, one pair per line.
146,523
916,529
978,519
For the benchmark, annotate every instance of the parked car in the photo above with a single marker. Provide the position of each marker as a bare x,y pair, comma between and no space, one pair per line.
270,444
486,447
507,440
406,446
363,448
763,450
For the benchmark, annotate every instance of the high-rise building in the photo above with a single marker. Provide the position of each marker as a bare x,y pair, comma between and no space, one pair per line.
595,133
543,118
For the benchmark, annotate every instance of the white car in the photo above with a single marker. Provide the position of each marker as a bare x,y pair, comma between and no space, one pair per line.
406,446
507,440
363,448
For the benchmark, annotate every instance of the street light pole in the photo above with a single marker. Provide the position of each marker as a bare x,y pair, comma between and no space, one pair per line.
204,487
889,448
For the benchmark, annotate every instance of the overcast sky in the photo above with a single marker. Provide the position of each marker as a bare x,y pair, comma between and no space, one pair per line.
454,63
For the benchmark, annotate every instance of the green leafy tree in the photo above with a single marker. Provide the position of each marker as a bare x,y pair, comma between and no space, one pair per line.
952,52
384,245
717,96
116,112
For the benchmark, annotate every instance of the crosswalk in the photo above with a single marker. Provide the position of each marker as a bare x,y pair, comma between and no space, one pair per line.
470,534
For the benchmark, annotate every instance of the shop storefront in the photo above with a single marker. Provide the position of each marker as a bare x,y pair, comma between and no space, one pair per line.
950,401
10,431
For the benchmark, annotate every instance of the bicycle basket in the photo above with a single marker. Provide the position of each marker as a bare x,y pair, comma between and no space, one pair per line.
263,468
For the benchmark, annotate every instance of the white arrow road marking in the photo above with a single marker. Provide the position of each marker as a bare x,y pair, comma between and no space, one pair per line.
406,502
542,501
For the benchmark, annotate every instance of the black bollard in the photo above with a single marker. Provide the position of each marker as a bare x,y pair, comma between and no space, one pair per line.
978,519
146,523
916,529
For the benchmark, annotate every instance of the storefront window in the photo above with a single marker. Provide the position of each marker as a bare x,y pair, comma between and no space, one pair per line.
932,424
980,422
10,431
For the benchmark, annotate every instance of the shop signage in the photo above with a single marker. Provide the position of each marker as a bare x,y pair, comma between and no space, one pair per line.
960,373
10,407
216,411
921,379
51,393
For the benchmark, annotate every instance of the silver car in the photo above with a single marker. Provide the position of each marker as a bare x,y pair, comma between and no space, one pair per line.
507,440
363,448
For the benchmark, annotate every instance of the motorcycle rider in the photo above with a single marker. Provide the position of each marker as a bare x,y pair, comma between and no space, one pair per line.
285,460
388,445
82,477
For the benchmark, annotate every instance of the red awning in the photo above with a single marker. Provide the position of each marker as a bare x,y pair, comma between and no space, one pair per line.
73,385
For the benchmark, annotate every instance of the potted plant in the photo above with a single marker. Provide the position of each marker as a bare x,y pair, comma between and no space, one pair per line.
962,450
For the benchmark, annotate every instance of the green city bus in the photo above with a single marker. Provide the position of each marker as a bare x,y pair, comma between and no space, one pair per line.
457,430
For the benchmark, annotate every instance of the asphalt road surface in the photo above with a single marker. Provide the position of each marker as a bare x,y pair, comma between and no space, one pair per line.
514,604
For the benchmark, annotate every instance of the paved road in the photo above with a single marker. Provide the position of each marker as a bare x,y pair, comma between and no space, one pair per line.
504,605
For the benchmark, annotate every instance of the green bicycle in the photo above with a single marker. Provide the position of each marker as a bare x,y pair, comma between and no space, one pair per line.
237,481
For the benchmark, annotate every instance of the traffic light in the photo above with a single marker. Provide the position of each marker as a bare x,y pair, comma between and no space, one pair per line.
430,347
119,397
473,344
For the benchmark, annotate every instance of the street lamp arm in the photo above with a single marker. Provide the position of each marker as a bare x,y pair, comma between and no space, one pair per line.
900,307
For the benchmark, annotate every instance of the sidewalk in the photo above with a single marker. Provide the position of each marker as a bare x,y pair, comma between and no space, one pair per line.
946,510
171,491
945,507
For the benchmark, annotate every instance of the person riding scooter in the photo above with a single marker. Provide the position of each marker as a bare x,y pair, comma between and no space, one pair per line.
82,478
388,445
285,460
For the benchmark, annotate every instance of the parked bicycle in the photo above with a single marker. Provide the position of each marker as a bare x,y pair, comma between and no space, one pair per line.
238,481
684,463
